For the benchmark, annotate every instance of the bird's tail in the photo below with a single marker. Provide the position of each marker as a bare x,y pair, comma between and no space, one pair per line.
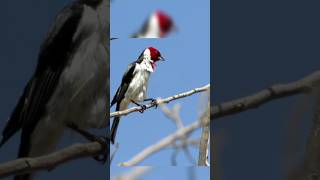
115,125
114,128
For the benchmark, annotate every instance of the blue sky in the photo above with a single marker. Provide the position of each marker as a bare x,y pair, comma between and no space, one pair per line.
187,66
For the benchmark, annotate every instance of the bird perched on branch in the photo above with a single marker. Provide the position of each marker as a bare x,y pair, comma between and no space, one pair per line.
134,84
158,25
70,83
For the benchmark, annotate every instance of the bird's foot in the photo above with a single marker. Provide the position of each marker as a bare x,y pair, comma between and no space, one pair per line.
153,102
143,107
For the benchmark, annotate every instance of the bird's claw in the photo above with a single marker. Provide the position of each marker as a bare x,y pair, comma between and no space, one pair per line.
154,103
143,108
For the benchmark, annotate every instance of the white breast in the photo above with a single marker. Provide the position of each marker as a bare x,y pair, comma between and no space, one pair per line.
137,90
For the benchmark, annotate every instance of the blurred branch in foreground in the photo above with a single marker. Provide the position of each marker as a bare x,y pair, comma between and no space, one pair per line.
310,168
49,162
304,85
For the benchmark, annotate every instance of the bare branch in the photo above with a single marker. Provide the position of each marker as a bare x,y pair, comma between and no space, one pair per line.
274,92
165,142
203,148
175,117
161,101
49,162
173,114
161,144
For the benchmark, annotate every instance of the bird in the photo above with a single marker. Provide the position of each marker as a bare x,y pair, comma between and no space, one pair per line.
158,25
134,84
70,84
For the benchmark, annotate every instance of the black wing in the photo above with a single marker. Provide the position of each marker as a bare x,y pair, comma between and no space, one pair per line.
53,57
126,80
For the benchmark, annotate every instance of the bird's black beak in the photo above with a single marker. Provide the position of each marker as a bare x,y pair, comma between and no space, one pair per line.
161,58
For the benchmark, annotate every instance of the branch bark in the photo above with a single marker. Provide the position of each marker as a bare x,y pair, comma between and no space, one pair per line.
161,101
49,162
204,140
277,91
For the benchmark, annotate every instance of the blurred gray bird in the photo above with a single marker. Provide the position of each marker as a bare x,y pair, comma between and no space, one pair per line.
70,83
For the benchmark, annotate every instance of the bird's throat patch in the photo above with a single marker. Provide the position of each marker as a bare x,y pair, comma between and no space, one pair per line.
147,66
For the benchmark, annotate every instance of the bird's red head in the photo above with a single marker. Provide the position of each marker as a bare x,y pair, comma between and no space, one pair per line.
155,54
165,22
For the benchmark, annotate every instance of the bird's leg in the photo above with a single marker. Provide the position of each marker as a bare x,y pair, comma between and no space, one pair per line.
153,101
103,157
143,107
